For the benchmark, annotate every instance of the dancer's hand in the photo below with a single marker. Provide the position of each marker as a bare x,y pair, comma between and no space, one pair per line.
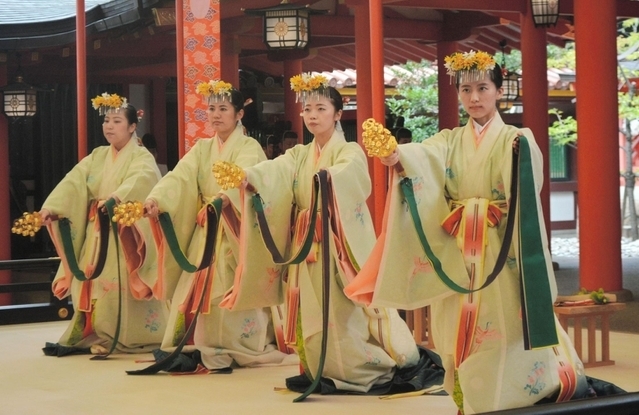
516,142
45,214
151,209
225,199
390,160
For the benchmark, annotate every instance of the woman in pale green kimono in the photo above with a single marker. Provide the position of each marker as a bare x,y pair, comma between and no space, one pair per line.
461,180
123,171
365,346
222,338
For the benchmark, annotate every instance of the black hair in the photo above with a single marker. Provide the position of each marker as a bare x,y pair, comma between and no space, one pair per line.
496,76
148,140
237,100
336,98
131,114
403,132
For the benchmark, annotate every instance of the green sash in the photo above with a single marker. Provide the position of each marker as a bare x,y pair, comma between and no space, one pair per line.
109,205
64,225
212,223
214,212
538,316
321,178
267,237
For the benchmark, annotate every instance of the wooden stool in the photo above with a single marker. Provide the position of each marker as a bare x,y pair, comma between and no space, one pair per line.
590,313
418,321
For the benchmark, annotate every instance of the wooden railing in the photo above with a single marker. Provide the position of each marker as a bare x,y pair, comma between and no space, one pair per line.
54,310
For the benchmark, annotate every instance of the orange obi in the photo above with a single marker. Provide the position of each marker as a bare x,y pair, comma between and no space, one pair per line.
301,224
453,222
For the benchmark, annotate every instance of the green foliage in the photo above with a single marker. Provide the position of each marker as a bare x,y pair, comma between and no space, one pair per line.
599,296
564,129
629,105
512,60
628,44
416,99
561,58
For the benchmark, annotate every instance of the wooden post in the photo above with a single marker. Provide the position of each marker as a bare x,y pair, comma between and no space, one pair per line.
379,173
535,97
447,93
81,76
293,109
598,155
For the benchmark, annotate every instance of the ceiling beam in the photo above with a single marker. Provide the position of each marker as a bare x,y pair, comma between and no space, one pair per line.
402,54
345,60
471,5
423,50
262,64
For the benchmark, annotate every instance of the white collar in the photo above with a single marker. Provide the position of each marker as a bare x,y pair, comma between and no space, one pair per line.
480,128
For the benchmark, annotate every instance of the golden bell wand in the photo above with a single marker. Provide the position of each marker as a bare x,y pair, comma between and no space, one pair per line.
230,176
379,142
29,223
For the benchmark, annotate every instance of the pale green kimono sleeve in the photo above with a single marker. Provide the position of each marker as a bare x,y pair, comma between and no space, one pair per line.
258,280
73,187
177,194
398,274
351,186
70,199
247,155
141,176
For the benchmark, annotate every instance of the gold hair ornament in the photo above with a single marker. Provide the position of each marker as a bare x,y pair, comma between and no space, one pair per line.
106,103
306,85
469,66
214,91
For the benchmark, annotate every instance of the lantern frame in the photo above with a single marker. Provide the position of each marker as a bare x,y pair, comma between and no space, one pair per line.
286,26
19,99
545,12
510,83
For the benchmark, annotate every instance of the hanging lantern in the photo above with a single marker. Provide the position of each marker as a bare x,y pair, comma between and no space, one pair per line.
545,12
286,26
511,86
19,99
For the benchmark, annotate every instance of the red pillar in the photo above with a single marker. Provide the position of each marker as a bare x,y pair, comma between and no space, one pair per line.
535,96
598,155
378,98
446,91
5,212
363,67
81,69
292,109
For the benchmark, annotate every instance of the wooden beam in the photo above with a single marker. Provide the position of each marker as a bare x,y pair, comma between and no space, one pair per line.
471,5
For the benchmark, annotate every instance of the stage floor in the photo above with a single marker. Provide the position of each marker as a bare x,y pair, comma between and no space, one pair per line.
34,384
